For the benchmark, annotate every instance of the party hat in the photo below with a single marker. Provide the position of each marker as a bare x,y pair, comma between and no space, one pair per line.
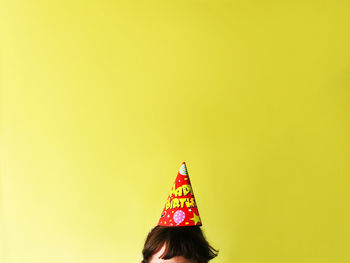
180,208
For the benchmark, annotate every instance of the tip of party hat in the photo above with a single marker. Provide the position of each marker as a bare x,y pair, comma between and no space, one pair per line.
183,169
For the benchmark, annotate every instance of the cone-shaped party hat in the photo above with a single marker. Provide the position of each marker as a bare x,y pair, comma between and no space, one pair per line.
180,208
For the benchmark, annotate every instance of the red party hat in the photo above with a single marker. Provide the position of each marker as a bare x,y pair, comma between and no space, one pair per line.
180,208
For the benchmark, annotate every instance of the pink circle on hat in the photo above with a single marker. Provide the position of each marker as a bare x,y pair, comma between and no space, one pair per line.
179,216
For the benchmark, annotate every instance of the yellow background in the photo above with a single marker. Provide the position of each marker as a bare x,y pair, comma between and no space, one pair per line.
103,100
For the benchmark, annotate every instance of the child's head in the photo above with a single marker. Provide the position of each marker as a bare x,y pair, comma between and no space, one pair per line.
177,245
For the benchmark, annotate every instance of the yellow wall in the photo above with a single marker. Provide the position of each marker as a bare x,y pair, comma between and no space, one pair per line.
103,100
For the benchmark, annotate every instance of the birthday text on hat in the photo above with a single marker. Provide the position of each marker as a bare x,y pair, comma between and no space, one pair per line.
180,202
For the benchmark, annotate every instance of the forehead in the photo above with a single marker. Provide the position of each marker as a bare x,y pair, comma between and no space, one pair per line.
156,258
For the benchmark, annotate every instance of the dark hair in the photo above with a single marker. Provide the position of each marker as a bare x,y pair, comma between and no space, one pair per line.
188,242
